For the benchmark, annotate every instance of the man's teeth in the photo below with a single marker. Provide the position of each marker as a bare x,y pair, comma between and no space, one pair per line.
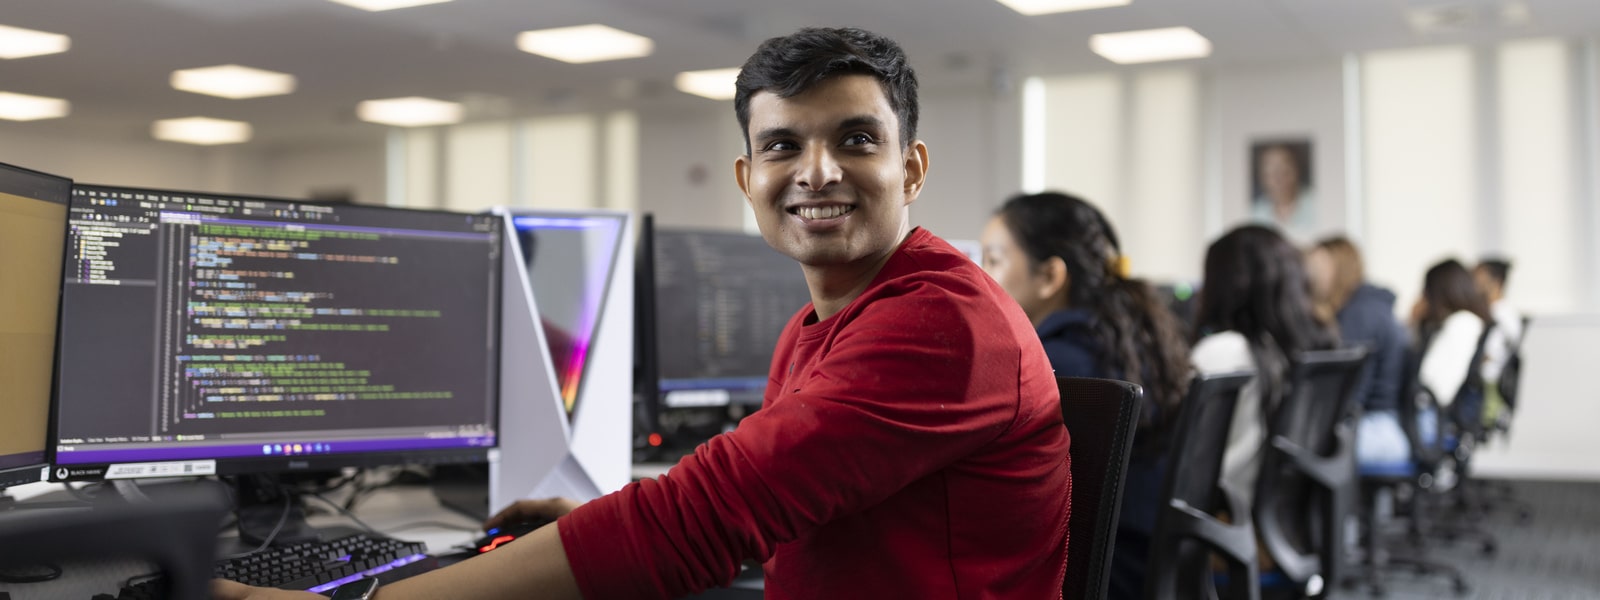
823,212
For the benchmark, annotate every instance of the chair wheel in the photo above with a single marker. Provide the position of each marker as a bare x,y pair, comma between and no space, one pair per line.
1489,548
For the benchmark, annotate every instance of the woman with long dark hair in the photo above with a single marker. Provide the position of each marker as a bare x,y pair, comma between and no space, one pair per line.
1449,320
1254,313
1059,258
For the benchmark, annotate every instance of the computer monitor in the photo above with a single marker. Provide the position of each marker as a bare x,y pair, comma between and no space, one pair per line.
33,227
711,306
210,334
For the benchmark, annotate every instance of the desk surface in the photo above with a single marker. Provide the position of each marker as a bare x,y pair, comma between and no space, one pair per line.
404,512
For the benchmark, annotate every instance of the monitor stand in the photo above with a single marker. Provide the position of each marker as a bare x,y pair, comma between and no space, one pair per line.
261,503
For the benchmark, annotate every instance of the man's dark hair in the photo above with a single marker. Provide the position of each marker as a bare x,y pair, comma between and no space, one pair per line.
1497,269
792,64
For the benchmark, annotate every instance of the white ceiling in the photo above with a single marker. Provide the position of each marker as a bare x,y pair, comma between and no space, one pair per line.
123,50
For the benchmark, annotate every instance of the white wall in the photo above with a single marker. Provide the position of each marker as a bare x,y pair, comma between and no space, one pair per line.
1130,143
1421,152
284,171
973,136
1539,216
355,169
686,167
1275,102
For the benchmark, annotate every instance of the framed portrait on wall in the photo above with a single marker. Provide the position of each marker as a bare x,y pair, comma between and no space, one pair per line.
1282,187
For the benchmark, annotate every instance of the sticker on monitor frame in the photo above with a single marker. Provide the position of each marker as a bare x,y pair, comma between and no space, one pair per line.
182,468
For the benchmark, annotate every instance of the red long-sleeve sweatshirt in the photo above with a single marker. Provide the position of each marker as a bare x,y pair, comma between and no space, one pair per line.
910,446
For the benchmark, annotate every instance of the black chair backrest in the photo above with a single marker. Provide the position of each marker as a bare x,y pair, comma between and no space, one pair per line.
1101,415
1307,485
1511,375
179,535
1187,530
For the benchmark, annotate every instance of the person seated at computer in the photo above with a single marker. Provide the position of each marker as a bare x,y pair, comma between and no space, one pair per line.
1254,313
1449,320
1365,316
911,444
1058,257
1490,275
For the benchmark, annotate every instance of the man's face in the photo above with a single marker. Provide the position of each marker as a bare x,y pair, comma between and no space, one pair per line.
827,176
1487,284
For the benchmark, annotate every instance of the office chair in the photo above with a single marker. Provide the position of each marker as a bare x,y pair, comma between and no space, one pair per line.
1101,415
1187,534
1306,489
179,535
1429,455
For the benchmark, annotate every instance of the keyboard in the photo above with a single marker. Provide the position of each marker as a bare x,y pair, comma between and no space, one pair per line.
312,566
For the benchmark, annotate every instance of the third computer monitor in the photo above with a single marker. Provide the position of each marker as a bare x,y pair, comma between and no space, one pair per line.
716,303
33,225
212,334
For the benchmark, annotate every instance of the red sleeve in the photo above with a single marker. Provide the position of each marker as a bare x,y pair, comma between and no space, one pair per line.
897,396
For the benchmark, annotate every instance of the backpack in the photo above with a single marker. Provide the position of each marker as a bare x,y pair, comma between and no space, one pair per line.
1511,375
1468,405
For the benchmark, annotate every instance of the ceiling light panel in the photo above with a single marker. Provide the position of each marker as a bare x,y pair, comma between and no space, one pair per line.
1150,45
410,112
1045,7
233,81
585,44
22,107
716,84
16,42
381,5
202,131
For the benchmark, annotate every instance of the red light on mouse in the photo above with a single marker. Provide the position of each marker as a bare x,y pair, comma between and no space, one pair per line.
496,543
655,439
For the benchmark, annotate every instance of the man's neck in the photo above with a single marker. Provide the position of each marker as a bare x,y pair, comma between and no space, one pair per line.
834,287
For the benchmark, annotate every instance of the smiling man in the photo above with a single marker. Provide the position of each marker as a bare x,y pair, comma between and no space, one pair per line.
911,443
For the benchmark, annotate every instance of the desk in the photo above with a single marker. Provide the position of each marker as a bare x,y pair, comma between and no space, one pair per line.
404,512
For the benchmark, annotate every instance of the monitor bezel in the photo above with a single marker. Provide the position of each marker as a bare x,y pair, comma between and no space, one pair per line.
289,464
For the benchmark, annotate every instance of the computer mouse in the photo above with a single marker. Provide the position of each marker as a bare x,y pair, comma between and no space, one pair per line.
500,536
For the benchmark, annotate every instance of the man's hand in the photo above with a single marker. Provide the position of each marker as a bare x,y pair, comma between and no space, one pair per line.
222,589
528,510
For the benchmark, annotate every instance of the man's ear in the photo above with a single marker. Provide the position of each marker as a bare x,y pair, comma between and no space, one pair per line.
741,174
1055,278
916,166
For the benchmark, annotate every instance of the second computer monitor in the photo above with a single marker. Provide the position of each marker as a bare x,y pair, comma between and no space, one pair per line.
213,334
712,305
33,225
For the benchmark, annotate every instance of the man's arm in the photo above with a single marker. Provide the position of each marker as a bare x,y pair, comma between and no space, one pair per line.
898,395
534,562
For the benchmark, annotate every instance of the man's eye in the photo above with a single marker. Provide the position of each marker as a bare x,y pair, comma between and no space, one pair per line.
857,139
782,147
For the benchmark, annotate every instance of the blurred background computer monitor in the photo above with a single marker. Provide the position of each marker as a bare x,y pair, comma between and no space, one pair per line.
710,307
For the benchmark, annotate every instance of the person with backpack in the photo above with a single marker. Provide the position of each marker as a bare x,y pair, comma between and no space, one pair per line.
1451,321
1502,364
